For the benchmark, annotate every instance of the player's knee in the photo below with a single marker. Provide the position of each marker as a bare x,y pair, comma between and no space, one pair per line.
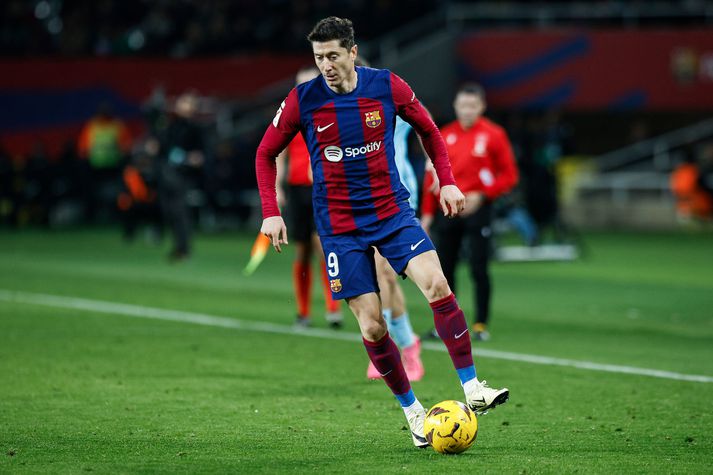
438,288
374,329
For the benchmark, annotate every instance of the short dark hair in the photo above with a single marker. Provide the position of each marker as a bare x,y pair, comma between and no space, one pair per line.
472,88
334,28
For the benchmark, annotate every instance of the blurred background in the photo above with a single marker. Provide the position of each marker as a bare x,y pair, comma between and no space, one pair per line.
602,100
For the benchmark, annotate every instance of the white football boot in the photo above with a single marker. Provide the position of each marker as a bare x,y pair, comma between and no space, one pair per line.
480,397
416,418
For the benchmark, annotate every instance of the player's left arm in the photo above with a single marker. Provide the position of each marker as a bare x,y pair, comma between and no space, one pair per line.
411,110
505,174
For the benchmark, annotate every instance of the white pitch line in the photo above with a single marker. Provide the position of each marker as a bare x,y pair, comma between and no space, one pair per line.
138,311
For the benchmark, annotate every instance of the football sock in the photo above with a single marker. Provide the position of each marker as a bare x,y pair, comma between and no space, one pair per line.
453,330
387,360
401,331
302,279
332,305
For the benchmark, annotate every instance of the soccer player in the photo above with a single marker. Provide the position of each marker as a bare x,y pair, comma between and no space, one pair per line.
347,118
298,198
484,165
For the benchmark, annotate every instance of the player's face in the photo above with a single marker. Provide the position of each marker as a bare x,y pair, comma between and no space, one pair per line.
335,62
469,107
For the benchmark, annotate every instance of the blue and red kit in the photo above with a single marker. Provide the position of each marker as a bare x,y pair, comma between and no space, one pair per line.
350,141
350,138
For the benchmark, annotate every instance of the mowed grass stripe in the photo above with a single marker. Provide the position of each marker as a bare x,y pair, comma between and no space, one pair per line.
138,311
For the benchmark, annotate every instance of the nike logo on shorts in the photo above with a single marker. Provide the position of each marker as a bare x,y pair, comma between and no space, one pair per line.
414,246
322,129
462,333
387,373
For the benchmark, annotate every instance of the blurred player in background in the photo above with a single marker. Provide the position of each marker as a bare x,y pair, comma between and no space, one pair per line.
138,202
104,143
347,117
693,200
298,198
182,149
484,167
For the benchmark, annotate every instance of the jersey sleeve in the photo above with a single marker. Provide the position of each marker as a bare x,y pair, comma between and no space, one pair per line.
411,110
506,175
277,136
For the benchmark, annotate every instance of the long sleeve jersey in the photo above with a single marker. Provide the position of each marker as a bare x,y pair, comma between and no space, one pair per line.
481,158
350,138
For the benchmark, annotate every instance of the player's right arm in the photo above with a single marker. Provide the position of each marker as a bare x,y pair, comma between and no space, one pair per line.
410,109
278,134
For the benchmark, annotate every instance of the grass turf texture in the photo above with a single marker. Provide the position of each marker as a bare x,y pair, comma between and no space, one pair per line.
84,391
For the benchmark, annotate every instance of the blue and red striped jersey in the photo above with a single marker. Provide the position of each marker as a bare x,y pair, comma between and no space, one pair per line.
350,138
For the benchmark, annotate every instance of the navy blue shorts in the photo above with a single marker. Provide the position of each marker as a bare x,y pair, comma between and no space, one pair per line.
350,256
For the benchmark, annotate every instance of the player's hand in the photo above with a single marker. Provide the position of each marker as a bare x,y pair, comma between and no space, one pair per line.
473,202
452,201
274,228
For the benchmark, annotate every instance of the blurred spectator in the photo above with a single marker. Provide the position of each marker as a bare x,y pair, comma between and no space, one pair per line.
693,200
104,142
545,147
138,202
186,28
183,156
512,206
223,175
68,195
35,205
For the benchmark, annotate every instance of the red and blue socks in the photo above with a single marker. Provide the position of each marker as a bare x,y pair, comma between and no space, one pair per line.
386,358
452,328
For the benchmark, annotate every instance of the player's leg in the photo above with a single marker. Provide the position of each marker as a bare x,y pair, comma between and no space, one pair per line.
352,273
425,270
301,235
406,338
302,280
394,306
333,314
385,356
448,239
397,321
479,232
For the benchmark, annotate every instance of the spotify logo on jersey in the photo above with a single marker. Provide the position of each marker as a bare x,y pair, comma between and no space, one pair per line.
333,153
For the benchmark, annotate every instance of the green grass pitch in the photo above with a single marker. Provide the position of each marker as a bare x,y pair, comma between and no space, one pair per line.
101,391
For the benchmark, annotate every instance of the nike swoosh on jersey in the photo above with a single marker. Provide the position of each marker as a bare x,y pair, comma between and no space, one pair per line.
414,246
322,129
462,333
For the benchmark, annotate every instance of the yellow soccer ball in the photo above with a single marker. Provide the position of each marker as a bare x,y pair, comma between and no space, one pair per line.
451,427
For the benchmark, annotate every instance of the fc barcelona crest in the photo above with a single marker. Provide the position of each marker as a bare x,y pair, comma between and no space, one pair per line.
373,119
335,285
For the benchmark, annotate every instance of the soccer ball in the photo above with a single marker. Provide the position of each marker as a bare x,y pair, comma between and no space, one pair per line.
451,427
